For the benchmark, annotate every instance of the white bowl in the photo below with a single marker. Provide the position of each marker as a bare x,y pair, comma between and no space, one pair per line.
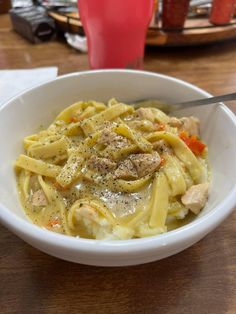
23,114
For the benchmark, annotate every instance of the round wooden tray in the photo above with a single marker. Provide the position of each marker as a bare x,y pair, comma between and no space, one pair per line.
197,31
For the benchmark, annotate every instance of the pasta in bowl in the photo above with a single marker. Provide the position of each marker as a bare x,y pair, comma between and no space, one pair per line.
108,171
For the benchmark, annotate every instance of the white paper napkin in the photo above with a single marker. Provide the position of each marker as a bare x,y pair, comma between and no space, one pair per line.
13,82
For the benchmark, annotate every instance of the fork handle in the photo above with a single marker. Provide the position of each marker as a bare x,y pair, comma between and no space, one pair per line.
207,101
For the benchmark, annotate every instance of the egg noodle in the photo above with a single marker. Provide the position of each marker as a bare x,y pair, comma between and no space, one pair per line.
108,171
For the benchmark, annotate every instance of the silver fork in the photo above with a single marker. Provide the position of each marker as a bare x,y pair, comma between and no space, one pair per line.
177,106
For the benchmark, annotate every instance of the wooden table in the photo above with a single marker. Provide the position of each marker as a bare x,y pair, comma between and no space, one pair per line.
202,279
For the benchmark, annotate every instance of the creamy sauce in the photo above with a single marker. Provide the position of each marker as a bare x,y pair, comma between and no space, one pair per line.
119,203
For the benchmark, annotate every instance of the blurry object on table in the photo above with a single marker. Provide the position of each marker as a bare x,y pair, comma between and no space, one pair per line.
21,3
197,28
33,24
155,17
77,42
199,8
116,35
174,14
57,3
222,11
5,6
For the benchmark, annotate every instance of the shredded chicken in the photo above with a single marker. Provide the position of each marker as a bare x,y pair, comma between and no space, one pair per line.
137,166
39,198
145,163
103,165
109,137
145,114
189,124
144,125
175,122
126,170
195,197
162,147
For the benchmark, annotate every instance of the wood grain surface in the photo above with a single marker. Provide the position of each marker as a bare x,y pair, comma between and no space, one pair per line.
202,279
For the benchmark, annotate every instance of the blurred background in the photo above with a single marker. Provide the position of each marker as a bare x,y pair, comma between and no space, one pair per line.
183,38
174,22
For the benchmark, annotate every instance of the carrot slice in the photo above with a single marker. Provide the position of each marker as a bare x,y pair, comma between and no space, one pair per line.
53,222
196,146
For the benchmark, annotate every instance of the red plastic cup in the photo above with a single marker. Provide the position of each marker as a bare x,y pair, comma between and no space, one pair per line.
222,11
174,14
116,31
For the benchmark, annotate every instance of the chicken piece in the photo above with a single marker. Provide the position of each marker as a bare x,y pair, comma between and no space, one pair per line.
162,147
175,122
144,125
191,125
195,197
103,165
145,163
145,114
108,137
120,142
126,170
39,198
